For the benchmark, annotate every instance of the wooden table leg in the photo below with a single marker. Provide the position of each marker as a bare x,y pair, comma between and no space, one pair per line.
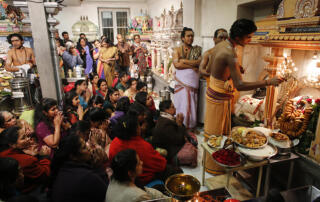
290,174
267,181
204,165
259,181
228,177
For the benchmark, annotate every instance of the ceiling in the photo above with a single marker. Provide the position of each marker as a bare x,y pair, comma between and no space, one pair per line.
78,2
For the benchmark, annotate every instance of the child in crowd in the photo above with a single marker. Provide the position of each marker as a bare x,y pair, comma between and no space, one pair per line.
134,69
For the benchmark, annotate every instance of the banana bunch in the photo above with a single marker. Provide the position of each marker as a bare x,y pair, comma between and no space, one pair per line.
294,121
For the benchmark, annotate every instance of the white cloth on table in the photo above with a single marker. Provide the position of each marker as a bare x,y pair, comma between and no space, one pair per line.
251,108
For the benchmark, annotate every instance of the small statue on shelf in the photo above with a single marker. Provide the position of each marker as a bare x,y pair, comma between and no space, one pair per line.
14,14
3,6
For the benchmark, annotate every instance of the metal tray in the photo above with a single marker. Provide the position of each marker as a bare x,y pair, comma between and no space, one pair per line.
257,131
246,152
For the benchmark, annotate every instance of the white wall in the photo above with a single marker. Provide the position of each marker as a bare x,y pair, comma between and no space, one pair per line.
216,14
70,15
156,7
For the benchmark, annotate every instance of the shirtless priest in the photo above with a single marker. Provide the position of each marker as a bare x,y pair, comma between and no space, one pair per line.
19,58
224,77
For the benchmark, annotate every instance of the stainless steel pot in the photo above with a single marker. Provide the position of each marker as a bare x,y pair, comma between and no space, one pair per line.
165,95
21,94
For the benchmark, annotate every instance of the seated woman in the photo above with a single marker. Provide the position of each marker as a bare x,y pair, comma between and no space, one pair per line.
146,101
102,88
126,166
99,123
36,172
128,137
122,108
142,87
7,119
111,100
93,84
170,133
96,101
11,177
73,179
122,84
132,90
72,109
98,154
50,127
81,88
116,78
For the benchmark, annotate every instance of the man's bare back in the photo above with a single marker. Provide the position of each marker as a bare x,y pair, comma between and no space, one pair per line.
205,62
224,67
219,68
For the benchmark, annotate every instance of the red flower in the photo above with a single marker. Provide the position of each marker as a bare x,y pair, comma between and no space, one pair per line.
309,100
318,101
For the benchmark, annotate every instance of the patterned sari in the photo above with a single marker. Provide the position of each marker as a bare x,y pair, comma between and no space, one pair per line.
106,71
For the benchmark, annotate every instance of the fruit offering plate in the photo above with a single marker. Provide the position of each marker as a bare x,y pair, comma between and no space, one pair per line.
249,138
217,141
227,158
279,137
280,140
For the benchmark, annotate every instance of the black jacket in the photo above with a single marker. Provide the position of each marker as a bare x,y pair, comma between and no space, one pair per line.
168,135
79,182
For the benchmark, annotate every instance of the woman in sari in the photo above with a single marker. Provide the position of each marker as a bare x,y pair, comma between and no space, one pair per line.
106,65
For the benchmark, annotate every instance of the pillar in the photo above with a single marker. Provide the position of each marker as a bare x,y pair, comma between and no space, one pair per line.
165,63
158,58
49,78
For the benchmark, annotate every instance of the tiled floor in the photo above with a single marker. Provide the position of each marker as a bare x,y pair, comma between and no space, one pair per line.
197,172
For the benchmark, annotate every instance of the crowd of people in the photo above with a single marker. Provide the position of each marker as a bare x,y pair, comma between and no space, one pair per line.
107,141
101,144
102,56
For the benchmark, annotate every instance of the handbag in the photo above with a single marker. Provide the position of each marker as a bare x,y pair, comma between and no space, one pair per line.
188,154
